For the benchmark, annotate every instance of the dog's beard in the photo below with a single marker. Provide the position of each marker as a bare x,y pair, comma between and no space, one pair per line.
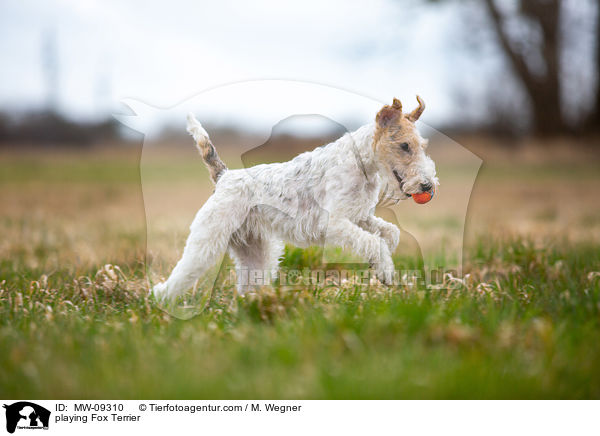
392,193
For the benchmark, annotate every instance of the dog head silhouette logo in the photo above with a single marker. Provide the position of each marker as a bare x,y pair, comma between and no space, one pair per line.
269,105
26,415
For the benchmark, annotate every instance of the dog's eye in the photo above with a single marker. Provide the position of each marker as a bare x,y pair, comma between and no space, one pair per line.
404,146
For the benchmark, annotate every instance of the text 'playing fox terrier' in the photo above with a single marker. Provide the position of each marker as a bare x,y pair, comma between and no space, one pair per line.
325,196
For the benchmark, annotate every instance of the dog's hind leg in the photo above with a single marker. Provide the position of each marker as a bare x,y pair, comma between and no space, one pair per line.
256,259
209,237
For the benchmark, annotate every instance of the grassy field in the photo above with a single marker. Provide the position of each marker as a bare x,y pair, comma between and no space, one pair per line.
75,321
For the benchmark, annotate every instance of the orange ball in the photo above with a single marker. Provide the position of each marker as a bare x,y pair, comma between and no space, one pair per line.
423,197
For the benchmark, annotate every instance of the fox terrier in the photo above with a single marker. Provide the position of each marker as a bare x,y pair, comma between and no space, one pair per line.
325,196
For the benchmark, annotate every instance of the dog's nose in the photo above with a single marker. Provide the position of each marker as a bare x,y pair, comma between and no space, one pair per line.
426,187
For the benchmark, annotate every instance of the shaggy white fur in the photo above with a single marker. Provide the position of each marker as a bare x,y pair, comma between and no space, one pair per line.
325,196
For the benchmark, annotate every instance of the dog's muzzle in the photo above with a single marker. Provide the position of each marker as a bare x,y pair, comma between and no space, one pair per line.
423,187
426,187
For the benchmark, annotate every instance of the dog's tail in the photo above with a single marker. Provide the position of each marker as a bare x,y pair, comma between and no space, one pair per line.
213,162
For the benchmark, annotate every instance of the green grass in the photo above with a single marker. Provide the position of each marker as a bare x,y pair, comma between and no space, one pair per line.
529,332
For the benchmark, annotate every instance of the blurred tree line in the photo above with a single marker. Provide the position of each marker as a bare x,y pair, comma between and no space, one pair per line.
48,127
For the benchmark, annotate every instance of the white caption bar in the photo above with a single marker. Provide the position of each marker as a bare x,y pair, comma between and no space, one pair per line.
299,417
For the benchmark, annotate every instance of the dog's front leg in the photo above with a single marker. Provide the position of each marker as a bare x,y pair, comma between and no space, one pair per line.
342,232
388,231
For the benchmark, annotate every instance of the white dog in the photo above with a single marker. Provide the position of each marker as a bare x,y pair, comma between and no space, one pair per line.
325,196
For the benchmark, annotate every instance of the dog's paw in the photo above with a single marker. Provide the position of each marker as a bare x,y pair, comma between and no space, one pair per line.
384,272
159,292
386,277
391,236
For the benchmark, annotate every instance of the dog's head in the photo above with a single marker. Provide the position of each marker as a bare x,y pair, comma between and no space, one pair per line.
400,150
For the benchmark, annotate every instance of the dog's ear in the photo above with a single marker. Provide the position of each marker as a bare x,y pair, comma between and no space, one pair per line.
389,114
414,115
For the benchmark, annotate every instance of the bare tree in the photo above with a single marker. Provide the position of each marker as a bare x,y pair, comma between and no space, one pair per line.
542,87
594,118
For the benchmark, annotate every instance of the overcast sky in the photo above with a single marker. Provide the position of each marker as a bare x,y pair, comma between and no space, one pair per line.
163,54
